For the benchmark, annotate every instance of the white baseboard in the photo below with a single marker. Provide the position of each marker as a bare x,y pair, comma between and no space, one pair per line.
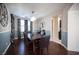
73,50
61,44
6,49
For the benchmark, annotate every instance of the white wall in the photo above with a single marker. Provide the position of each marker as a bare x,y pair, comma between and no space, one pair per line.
73,28
64,18
64,25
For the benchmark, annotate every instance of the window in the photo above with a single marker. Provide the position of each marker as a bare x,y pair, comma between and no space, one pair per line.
22,25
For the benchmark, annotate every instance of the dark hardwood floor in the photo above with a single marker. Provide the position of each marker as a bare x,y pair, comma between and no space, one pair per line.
19,48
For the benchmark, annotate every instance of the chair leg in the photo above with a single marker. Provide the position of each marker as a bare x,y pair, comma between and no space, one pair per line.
41,51
47,51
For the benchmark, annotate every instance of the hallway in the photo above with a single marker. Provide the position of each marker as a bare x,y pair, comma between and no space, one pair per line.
19,48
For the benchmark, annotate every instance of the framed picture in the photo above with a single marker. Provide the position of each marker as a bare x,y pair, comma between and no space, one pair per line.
42,25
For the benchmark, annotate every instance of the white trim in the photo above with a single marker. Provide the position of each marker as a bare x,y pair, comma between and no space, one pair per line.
5,31
63,46
6,49
72,50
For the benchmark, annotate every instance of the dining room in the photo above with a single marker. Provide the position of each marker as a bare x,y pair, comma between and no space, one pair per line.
32,29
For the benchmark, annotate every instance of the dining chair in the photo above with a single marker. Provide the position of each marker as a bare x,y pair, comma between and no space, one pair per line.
40,44
44,43
36,46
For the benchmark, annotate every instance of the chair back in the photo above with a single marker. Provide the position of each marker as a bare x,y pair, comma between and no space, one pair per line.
44,42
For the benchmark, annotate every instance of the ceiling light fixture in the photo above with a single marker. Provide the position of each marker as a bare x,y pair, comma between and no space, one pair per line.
33,18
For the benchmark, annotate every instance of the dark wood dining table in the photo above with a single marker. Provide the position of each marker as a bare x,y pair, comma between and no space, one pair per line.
34,37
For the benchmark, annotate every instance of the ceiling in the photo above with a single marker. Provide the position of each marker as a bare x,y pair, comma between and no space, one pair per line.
40,9
75,7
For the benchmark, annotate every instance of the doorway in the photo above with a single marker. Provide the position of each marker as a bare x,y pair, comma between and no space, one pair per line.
59,28
56,29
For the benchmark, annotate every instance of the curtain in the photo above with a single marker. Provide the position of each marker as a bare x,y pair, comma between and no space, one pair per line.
31,26
31,29
26,26
12,28
19,29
